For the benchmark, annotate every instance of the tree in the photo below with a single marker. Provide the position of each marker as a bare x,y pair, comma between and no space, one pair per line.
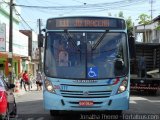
128,22
129,25
144,19
109,14
121,14
158,26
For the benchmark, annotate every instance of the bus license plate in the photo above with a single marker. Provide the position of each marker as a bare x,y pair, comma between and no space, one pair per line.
85,103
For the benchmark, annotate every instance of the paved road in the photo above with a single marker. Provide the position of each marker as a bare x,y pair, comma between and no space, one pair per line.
30,107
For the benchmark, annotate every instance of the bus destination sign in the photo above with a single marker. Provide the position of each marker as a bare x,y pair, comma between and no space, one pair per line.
85,22
81,23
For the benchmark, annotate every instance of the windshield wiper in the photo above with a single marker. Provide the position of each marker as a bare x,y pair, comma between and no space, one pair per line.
71,39
99,40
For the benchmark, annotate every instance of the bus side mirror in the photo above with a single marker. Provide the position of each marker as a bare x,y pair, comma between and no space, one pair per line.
131,42
40,40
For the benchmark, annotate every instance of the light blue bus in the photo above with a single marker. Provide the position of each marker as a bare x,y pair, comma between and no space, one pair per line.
86,64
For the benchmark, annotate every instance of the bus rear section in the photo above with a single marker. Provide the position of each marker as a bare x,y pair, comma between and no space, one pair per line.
86,65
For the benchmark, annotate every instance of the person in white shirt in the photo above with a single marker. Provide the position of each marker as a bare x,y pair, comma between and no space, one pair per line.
63,56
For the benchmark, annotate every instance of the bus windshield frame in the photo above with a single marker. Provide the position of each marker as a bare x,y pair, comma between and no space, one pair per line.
97,61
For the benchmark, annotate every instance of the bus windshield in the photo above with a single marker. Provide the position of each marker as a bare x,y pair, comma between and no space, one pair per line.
85,55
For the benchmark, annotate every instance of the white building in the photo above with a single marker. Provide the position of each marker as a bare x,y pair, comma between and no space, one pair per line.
20,41
152,34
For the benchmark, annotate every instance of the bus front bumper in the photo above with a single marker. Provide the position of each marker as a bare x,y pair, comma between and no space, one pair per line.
56,102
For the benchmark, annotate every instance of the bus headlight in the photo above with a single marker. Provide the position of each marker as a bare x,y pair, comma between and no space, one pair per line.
49,87
123,86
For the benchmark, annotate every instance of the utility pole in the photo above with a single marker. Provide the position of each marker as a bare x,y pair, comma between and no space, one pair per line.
10,57
151,9
40,57
151,2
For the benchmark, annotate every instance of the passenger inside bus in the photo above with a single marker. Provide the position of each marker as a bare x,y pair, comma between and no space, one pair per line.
63,55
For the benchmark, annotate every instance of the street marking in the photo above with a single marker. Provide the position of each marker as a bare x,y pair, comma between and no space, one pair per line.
41,118
138,98
133,99
30,118
132,102
153,100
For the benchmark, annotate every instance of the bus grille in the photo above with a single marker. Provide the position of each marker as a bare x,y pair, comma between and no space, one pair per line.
86,93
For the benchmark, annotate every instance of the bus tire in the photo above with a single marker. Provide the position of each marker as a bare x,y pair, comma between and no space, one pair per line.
54,112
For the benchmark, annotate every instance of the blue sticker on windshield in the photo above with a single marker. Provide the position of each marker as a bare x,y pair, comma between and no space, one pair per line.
92,72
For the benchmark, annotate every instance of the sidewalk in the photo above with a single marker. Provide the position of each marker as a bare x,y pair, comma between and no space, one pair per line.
22,91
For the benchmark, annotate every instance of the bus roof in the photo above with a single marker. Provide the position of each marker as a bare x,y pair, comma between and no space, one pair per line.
87,17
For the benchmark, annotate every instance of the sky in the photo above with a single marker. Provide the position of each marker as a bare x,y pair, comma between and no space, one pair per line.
31,11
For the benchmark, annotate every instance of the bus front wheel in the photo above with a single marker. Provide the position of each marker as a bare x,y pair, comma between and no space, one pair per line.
54,112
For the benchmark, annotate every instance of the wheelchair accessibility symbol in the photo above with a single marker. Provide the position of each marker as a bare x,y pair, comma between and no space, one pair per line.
92,72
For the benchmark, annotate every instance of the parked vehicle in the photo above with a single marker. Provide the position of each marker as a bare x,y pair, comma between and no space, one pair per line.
7,100
145,68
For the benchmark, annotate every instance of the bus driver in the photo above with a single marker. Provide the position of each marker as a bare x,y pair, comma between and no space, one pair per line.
63,56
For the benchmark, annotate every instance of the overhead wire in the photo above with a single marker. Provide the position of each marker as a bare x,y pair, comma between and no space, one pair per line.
40,2
26,14
23,26
88,6
75,10
86,9
48,2
95,7
63,12
19,15
23,19
78,1
98,7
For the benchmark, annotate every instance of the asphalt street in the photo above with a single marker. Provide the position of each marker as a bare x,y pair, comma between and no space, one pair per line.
30,107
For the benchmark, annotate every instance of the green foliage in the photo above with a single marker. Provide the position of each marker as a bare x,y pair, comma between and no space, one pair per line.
121,14
144,19
109,14
129,25
158,27
128,21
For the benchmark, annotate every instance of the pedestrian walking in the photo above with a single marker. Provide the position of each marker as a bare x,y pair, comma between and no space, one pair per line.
39,81
21,79
26,81
30,79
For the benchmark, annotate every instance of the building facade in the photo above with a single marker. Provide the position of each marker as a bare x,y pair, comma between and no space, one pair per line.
20,42
33,51
148,33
